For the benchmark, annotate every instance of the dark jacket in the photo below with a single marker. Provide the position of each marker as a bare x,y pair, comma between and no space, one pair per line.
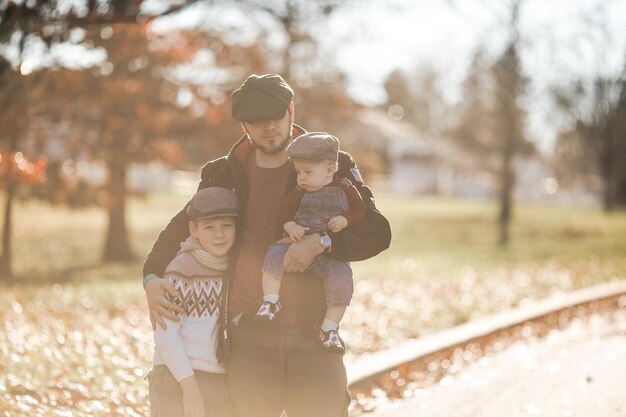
355,243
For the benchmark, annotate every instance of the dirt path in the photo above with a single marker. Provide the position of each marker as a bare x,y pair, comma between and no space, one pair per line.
576,372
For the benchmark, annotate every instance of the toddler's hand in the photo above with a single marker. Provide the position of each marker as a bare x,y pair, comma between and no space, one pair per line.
337,223
295,231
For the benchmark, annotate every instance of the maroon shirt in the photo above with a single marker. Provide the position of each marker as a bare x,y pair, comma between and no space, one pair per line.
266,191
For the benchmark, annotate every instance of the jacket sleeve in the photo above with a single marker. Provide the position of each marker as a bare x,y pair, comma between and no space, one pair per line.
367,238
356,211
168,243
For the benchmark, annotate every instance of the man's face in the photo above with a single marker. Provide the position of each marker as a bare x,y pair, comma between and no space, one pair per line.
271,136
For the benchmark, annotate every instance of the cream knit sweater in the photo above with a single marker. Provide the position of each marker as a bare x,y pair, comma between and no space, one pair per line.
191,342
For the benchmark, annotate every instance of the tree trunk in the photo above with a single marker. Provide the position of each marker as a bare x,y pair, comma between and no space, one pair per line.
607,169
608,202
506,190
509,124
6,259
287,54
117,247
6,270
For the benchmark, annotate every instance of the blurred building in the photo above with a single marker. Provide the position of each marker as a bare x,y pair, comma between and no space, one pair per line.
418,164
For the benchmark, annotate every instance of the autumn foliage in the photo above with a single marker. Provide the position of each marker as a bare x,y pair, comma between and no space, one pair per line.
15,167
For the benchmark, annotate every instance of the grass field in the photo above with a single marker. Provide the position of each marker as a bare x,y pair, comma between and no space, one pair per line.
75,338
432,238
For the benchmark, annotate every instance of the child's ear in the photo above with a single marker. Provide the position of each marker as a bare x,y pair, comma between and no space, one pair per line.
193,230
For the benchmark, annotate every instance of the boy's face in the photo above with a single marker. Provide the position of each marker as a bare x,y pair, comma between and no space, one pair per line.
216,235
313,175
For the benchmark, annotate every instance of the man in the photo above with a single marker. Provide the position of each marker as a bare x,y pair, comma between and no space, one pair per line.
279,365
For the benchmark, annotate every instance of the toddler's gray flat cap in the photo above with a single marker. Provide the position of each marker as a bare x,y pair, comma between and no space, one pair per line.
314,146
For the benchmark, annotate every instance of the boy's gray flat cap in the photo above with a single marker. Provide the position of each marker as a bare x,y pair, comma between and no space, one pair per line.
213,202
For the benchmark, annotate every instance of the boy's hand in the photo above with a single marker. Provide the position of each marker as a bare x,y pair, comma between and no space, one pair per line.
337,223
160,307
295,231
193,403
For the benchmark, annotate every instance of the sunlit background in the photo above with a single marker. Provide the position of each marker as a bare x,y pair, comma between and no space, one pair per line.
493,134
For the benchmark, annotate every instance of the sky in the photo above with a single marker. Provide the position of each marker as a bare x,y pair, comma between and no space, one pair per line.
562,40
444,35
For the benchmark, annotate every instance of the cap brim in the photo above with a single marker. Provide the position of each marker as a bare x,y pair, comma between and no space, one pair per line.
274,116
196,215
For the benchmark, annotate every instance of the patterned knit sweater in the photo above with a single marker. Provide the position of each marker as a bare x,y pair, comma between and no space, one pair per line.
191,343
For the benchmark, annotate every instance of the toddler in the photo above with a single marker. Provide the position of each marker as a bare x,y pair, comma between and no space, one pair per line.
322,201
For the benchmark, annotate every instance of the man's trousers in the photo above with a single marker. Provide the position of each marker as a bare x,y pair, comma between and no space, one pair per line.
272,369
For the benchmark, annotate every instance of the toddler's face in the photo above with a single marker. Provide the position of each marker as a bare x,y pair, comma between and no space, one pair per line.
216,235
313,175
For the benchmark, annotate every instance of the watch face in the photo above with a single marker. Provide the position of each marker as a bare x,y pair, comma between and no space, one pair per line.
325,241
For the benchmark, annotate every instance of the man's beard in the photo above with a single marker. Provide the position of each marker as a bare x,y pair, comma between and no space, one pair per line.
273,150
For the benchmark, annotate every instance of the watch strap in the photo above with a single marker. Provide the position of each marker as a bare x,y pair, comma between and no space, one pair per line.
326,248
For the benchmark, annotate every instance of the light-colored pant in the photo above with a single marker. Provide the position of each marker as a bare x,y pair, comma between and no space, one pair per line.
337,275
166,396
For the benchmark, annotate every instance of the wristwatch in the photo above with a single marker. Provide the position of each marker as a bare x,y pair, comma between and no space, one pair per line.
325,242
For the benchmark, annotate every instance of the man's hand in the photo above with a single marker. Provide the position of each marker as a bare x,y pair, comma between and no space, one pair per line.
193,403
337,223
160,307
295,231
301,255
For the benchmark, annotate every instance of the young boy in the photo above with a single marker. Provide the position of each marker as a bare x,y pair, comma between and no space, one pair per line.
322,201
187,379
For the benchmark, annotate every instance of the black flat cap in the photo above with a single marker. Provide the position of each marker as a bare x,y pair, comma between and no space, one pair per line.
261,97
